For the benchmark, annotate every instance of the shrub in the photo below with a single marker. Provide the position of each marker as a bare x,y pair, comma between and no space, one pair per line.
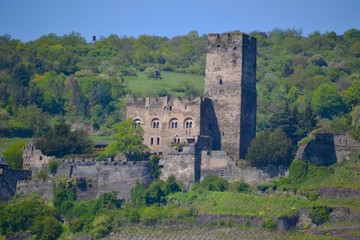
138,195
13,155
53,165
320,214
151,216
270,148
101,226
241,186
47,228
312,195
154,165
63,191
214,183
42,174
298,171
269,224
171,185
155,193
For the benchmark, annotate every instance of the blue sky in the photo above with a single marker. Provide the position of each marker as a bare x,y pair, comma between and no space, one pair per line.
30,19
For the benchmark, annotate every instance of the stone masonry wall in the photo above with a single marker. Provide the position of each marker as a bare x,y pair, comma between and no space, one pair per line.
230,83
218,163
97,178
173,115
327,149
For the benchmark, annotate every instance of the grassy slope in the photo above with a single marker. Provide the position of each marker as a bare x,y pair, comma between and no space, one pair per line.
6,142
143,86
344,174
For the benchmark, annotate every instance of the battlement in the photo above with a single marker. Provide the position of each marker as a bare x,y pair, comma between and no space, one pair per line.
228,38
165,102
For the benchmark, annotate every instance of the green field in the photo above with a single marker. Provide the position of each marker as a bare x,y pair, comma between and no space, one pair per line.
140,85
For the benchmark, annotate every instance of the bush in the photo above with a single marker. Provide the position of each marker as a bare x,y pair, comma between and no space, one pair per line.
53,165
171,185
42,174
47,228
154,165
13,155
60,141
214,183
312,195
320,214
269,224
155,193
138,195
63,191
298,171
270,148
240,186
101,226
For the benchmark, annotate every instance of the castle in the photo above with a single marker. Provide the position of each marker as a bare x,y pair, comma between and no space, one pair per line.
223,119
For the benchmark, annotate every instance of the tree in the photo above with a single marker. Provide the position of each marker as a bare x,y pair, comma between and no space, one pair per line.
155,193
270,148
214,183
60,141
138,195
154,165
327,102
47,228
13,155
127,140
352,94
288,121
152,73
172,185
33,118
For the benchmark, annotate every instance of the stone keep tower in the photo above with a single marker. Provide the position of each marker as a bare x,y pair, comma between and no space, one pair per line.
230,83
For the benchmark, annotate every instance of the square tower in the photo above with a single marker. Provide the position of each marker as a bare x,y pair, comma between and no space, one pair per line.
230,83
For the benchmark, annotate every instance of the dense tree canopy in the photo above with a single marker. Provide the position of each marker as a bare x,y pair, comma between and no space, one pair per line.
270,148
61,141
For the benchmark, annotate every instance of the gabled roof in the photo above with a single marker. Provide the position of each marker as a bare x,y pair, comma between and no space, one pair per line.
3,162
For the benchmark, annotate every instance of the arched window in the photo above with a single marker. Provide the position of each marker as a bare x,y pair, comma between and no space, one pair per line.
188,123
174,123
157,141
136,123
220,81
151,141
155,123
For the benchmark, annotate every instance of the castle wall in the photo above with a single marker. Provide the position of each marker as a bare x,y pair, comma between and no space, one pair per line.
8,182
165,120
94,178
327,149
34,158
182,166
231,85
219,163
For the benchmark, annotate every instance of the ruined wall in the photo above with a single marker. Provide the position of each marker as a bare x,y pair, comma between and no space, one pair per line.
327,149
8,181
182,166
95,178
344,145
218,163
34,158
231,85
165,120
